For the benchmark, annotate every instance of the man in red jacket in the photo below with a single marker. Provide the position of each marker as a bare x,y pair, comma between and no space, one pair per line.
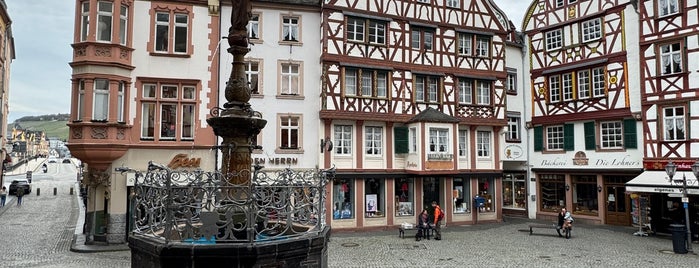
438,216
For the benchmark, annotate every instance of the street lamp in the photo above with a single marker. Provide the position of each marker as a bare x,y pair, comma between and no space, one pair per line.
671,169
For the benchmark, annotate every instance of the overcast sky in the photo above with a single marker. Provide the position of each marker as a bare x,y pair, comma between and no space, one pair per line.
43,32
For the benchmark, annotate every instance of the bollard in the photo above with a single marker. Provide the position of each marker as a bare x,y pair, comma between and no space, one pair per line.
54,191
71,190
38,191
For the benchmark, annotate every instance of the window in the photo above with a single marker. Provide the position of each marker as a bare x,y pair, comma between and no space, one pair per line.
254,26
252,74
120,102
343,199
355,29
585,195
482,46
554,40
514,191
668,7
486,188
375,199
423,1
405,191
598,84
483,93
377,32
554,89
583,84
591,30
100,107
674,123
373,140
567,86
81,100
511,82
611,135
84,20
123,23
290,29
104,21
413,139
553,192
453,3
465,44
175,41
426,86
373,83
172,106
671,58
290,78
554,138
289,127
343,140
465,91
560,3
483,143
513,128
422,38
439,140
462,196
463,139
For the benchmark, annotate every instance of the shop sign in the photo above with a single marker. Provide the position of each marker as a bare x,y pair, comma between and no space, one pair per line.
276,161
438,157
411,164
181,160
513,152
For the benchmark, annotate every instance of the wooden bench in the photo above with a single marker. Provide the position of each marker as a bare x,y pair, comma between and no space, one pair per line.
544,226
402,230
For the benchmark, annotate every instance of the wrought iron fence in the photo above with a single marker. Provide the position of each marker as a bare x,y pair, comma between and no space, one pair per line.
208,207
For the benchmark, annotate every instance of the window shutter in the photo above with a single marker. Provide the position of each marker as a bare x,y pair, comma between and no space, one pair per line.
590,136
538,138
400,140
568,137
630,141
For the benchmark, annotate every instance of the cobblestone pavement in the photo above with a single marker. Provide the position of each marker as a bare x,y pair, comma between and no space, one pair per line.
508,244
39,233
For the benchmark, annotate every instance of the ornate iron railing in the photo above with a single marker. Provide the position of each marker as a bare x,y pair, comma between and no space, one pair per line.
206,207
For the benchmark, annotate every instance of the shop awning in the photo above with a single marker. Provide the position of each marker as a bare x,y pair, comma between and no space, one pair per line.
657,182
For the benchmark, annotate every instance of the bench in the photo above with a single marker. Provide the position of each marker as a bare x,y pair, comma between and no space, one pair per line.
544,226
402,230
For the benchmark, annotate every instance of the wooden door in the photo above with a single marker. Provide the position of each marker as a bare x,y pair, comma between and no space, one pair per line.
617,205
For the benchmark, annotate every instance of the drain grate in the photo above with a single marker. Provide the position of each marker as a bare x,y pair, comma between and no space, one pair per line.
350,245
407,246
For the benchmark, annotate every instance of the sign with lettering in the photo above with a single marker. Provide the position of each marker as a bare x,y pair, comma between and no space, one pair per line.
580,159
181,160
513,152
276,161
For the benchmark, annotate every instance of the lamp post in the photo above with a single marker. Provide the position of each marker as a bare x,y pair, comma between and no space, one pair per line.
671,169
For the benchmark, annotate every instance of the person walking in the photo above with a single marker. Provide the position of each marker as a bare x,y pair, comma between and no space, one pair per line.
438,217
20,194
3,196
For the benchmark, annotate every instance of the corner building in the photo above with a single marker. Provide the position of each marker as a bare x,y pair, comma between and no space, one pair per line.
413,99
585,112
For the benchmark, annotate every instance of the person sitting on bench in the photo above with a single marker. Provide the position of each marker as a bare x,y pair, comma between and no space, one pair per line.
423,225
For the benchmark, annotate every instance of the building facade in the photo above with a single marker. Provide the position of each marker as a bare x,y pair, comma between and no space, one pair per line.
7,54
413,100
585,119
144,80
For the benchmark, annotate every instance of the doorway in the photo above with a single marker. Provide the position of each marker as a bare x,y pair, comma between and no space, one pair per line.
617,205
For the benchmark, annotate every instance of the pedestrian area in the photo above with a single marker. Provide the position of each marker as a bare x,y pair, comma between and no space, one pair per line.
508,244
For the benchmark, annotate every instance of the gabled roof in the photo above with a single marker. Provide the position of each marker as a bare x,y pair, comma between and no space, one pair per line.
432,115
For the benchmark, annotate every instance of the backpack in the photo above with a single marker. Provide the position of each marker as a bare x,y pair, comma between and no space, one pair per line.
440,216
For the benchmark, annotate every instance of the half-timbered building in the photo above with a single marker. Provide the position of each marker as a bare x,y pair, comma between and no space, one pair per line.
669,61
585,111
413,100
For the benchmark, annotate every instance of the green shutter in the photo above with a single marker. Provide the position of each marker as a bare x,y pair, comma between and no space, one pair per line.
630,141
568,137
538,138
400,140
590,136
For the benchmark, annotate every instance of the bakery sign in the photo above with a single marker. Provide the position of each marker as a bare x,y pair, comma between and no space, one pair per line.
513,152
182,161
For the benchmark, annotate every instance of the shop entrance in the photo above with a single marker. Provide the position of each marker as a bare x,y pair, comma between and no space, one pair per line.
617,205
430,192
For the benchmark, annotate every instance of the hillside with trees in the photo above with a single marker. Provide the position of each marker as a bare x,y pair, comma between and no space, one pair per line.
54,125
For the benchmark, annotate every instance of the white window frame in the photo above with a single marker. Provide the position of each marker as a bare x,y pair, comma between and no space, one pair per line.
555,138
465,91
253,76
611,135
350,81
343,140
168,128
465,47
292,125
598,82
179,41
373,140
123,24
377,32
81,100
668,7
104,21
674,119
483,144
591,29
482,46
120,101
512,82
291,32
162,29
452,3
567,86
84,20
290,80
463,143
513,128
103,106
176,100
356,29
412,132
439,140
554,39
554,88
482,92
583,77
254,26
671,55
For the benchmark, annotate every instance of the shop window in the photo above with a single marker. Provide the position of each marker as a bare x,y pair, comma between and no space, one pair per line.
553,192
462,196
343,199
585,195
405,191
486,191
430,192
514,191
375,199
